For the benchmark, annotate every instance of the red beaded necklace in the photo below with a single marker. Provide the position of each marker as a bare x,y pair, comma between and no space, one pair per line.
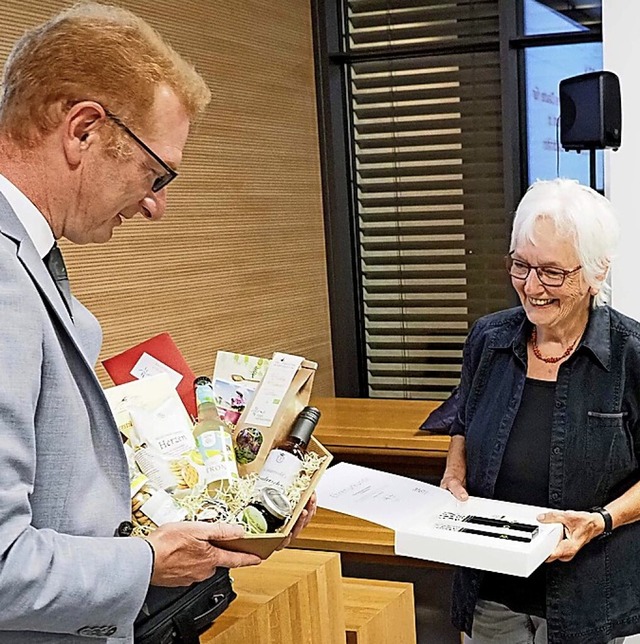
553,360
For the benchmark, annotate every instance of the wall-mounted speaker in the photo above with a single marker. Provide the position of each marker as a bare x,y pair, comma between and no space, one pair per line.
590,112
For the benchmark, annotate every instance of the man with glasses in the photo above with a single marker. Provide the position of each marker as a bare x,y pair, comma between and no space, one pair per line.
94,114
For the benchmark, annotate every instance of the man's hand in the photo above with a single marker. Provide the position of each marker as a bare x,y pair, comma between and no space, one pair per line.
185,552
579,529
303,521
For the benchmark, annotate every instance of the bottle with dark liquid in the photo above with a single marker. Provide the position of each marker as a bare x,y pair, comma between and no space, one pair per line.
284,461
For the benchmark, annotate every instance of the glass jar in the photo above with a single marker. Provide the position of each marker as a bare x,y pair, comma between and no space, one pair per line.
268,511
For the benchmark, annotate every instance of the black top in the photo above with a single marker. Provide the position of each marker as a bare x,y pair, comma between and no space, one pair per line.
524,478
594,456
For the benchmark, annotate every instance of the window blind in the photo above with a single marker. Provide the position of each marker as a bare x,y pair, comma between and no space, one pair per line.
426,127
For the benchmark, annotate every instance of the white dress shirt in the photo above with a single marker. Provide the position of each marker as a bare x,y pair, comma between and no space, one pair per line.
30,217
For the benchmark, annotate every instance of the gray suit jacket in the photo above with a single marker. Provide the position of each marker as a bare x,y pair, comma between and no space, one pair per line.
64,487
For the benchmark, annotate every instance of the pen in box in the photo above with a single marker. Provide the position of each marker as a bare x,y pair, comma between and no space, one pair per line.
502,523
497,535
459,527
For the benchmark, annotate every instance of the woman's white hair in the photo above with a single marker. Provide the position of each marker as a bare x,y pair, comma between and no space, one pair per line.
577,212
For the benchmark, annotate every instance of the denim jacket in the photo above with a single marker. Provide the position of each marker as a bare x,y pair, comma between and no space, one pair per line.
595,444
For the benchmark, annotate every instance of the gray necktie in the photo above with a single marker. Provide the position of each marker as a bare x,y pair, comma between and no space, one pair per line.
55,264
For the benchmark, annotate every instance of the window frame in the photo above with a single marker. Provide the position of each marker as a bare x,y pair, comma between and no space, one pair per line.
516,43
338,161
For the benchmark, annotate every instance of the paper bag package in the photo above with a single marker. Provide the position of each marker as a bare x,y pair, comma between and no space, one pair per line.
236,377
282,394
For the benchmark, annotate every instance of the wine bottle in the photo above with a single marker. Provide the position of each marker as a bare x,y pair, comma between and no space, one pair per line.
213,439
284,462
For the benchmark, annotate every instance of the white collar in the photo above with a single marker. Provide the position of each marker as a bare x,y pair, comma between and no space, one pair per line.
30,217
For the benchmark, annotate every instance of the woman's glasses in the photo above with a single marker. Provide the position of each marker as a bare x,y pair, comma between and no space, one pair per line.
548,275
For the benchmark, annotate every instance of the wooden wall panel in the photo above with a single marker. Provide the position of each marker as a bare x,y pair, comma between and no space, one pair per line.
238,262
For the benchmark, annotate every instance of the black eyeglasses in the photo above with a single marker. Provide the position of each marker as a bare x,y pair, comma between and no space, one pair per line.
548,275
161,181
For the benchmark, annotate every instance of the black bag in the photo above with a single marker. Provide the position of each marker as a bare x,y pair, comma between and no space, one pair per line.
180,615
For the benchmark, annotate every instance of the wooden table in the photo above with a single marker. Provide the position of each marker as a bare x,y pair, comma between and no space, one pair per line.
377,433
382,433
300,596
355,539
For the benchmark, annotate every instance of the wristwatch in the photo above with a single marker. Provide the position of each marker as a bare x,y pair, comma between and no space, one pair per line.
608,521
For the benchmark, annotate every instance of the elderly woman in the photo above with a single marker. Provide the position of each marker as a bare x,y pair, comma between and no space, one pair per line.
550,416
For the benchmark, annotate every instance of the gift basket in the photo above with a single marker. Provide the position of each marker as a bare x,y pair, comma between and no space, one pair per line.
247,457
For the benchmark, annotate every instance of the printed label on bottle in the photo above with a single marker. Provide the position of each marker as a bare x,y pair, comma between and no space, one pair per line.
279,470
204,393
219,458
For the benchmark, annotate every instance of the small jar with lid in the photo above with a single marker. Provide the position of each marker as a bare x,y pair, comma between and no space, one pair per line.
268,511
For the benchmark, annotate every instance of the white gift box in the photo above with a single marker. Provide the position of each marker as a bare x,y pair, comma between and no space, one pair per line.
428,521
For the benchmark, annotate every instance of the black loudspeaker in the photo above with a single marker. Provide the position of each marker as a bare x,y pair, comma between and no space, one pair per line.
590,112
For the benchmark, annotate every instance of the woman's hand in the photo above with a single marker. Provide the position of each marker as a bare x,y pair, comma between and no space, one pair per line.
455,485
454,478
579,529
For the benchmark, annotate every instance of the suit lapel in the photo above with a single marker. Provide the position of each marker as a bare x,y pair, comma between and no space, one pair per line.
27,254
99,411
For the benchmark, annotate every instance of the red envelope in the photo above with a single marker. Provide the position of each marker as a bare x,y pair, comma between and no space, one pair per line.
163,349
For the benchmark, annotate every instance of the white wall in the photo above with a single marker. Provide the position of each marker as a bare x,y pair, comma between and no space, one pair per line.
621,56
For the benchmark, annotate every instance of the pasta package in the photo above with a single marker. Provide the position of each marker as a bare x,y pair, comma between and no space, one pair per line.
160,432
151,506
